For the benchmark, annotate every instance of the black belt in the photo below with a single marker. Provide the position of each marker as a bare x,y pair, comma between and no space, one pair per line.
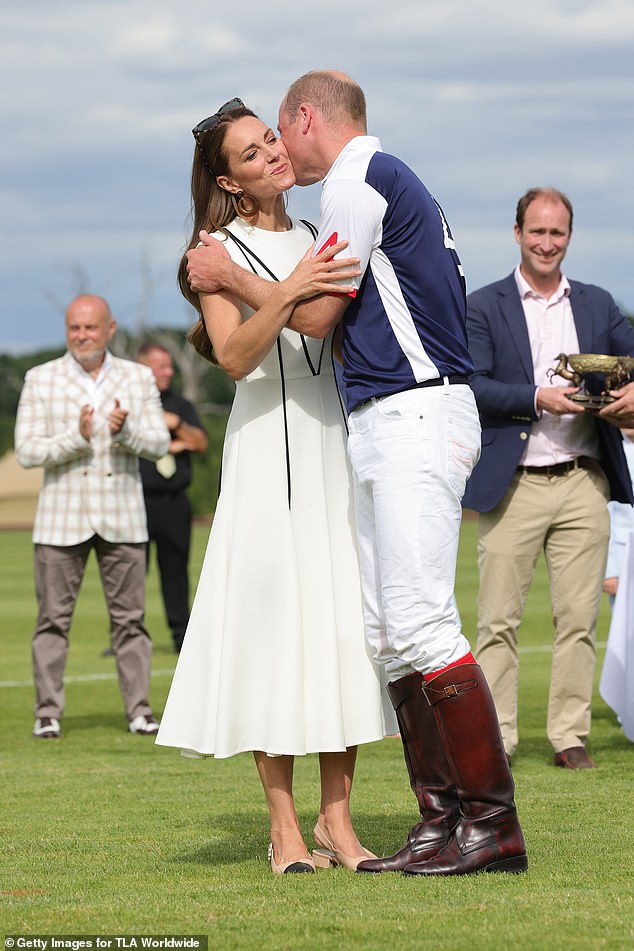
453,380
561,468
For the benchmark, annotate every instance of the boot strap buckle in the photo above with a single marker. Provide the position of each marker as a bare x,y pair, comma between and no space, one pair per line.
435,695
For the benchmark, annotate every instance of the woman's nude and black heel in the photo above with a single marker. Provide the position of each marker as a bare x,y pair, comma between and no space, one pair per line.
305,865
327,855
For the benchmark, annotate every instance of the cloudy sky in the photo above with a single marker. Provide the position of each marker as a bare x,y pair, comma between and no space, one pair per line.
483,98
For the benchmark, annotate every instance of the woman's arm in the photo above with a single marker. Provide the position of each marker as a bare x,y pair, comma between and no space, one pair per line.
211,269
240,346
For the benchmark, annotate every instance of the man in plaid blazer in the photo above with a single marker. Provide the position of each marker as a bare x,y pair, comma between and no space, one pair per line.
86,418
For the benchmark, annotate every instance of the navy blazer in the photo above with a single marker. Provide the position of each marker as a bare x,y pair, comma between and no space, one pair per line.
504,386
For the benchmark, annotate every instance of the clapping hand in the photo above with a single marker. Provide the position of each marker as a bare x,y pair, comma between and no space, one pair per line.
117,417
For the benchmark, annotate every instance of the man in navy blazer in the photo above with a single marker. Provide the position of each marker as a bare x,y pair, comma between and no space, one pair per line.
547,468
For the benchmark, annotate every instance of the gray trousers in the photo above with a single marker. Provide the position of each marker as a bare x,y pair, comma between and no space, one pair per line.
59,570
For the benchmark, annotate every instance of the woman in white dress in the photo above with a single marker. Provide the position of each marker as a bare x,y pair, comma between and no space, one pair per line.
274,660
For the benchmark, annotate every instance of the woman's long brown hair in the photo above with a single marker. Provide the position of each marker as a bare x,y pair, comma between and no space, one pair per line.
212,208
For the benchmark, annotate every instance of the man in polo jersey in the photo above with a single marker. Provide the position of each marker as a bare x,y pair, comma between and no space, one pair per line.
414,439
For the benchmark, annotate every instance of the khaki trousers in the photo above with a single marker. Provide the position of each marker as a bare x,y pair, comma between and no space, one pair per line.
58,575
566,516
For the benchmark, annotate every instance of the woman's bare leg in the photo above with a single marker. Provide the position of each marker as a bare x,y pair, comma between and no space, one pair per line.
337,772
276,775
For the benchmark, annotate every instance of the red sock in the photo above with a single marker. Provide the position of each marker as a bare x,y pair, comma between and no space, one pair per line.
467,659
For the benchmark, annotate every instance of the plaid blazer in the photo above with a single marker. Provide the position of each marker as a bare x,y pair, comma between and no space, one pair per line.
90,488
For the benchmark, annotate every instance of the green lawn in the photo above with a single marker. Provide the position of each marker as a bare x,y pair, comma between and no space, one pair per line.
102,833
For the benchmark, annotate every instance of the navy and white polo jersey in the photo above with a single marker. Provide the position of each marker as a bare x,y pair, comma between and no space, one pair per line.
406,323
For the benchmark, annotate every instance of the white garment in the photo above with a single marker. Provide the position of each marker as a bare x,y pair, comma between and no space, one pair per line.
621,520
616,685
274,657
91,384
411,456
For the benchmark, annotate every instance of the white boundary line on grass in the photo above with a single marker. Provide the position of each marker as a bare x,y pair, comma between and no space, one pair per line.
87,678
83,678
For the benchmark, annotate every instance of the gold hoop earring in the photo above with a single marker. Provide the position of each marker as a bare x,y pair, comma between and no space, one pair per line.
246,206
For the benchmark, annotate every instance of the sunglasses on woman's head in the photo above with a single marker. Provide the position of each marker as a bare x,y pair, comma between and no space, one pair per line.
208,125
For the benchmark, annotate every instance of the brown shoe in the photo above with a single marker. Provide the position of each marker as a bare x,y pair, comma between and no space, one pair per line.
575,757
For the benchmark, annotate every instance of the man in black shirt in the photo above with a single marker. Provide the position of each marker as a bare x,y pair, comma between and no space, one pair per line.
165,484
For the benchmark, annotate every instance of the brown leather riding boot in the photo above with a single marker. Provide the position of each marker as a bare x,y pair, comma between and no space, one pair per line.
429,776
488,837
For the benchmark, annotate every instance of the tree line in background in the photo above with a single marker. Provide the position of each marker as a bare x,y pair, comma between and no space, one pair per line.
206,386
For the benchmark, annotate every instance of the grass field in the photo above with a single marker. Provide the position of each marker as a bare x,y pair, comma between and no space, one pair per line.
102,833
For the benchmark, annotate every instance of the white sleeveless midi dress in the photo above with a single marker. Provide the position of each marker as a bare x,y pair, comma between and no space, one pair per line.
275,657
